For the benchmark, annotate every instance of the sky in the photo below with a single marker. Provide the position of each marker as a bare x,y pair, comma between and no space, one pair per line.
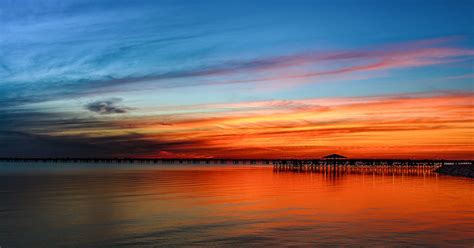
236,79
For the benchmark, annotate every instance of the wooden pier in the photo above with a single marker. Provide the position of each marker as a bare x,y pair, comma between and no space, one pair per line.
335,171
278,164
168,161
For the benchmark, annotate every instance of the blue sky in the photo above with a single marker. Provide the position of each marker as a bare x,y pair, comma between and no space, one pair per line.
56,57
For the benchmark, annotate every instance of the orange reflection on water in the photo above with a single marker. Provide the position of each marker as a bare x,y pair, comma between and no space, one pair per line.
229,206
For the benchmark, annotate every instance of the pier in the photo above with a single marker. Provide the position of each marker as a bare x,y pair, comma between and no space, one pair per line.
333,160
339,161
331,164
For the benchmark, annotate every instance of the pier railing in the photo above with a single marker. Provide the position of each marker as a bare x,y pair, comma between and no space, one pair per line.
276,163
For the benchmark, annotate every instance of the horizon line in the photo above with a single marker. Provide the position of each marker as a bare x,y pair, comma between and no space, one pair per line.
228,159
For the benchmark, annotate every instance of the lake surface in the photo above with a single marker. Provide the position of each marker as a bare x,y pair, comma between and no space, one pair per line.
175,205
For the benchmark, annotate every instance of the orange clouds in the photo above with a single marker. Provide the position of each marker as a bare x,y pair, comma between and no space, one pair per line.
421,126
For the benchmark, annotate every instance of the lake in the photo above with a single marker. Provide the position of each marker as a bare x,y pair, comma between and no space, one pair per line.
225,206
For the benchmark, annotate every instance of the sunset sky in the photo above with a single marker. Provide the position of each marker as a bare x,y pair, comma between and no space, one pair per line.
237,79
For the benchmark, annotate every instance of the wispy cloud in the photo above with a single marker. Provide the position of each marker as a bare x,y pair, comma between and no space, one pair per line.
438,124
288,68
433,124
367,124
415,54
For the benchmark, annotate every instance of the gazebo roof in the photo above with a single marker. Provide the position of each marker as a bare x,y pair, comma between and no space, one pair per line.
334,156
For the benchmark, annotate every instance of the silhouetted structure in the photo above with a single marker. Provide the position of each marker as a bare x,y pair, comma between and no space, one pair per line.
340,161
334,156
333,160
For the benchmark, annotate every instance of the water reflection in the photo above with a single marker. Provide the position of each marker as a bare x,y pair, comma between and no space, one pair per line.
339,171
233,206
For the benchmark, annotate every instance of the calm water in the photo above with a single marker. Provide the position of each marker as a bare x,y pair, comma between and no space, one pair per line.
232,206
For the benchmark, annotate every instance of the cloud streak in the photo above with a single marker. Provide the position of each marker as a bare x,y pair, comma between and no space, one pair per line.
415,54
434,125
287,68
409,125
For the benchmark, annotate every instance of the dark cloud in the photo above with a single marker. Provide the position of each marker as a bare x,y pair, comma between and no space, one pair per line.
30,133
24,144
108,106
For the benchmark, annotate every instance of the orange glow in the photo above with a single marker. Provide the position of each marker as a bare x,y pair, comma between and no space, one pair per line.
256,200
403,126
